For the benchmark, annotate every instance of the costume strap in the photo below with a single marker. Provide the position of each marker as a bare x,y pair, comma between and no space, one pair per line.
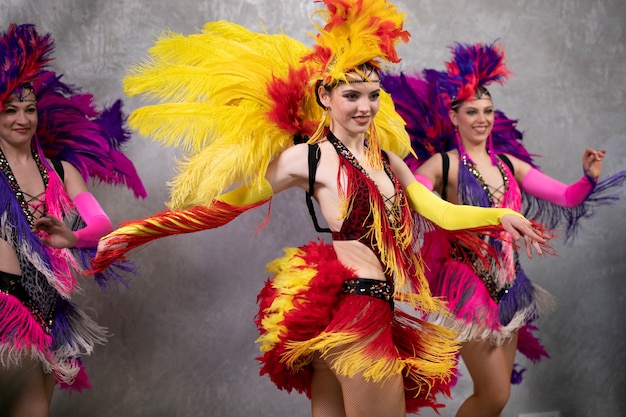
313,159
445,170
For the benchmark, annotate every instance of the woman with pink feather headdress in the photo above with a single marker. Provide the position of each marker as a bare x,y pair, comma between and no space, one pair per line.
52,140
472,154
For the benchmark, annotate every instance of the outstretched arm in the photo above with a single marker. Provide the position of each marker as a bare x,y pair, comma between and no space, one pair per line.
283,172
456,217
547,188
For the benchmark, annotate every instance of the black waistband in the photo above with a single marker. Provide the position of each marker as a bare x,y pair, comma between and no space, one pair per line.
10,284
370,287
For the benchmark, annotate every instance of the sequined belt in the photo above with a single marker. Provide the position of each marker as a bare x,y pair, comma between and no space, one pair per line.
10,285
490,283
486,275
371,288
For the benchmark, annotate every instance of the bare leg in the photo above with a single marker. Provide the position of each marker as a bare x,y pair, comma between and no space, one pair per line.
23,390
341,396
490,368
326,395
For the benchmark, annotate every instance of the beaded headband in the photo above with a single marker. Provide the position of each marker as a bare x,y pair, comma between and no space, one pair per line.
481,93
21,93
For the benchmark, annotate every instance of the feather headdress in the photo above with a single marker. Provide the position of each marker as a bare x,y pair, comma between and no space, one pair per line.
24,54
474,66
424,101
69,127
356,32
233,99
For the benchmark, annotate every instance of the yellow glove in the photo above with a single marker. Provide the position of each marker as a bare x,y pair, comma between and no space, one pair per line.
452,216
248,194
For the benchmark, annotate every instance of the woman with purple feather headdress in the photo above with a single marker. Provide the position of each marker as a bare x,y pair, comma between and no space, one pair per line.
52,140
472,154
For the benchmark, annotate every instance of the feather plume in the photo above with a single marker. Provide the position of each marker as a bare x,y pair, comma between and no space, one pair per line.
23,56
71,128
356,32
423,101
229,115
475,65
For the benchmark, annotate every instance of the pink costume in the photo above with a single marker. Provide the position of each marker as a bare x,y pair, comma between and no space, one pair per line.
487,301
37,316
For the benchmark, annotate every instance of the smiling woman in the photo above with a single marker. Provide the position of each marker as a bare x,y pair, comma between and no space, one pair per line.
471,154
43,335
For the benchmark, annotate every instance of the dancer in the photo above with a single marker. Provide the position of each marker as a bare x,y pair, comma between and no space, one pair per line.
327,319
472,154
51,140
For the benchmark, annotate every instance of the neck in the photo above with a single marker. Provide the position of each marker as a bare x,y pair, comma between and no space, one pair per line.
476,151
354,143
16,155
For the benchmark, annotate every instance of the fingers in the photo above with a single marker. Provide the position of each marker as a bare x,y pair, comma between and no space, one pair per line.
530,244
46,223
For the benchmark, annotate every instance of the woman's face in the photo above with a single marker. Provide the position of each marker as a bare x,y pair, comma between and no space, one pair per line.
18,120
474,120
352,106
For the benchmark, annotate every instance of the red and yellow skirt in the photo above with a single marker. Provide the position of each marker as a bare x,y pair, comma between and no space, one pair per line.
305,311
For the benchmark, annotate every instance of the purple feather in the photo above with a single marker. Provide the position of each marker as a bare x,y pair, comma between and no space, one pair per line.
72,129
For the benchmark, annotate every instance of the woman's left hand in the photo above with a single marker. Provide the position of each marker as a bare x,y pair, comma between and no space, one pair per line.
592,162
53,232
519,227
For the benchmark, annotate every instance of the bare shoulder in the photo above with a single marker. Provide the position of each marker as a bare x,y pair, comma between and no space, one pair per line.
73,180
289,168
431,166
520,168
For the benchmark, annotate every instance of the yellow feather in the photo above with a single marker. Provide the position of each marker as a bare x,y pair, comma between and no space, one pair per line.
213,103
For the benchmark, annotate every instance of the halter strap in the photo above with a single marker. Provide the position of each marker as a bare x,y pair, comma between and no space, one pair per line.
314,157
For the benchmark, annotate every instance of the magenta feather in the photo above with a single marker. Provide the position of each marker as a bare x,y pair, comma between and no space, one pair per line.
71,128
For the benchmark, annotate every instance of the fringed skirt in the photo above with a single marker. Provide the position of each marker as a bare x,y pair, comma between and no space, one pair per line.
478,311
304,311
57,340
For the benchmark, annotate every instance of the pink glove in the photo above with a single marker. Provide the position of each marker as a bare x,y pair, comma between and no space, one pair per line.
98,223
542,186
426,182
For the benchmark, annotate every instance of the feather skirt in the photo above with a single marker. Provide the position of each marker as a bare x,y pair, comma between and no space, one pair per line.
303,312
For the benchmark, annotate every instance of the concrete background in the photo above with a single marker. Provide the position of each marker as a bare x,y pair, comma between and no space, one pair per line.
183,335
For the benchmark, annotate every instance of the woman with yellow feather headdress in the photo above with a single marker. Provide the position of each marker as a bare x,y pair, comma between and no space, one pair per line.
235,100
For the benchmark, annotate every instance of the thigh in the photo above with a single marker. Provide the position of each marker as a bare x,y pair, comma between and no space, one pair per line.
487,365
510,349
366,398
326,395
23,390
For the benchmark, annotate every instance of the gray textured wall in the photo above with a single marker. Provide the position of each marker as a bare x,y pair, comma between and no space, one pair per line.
183,340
